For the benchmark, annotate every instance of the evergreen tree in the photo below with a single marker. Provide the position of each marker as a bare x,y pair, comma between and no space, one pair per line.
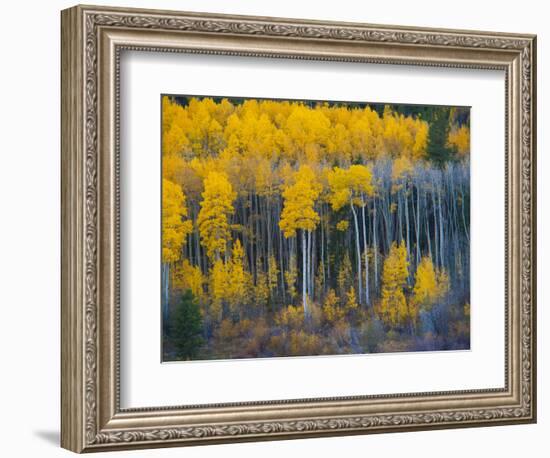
438,149
186,326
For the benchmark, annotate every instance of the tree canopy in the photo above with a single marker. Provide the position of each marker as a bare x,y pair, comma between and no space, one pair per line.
303,227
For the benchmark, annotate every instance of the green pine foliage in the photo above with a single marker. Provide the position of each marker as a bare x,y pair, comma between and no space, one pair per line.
438,150
186,327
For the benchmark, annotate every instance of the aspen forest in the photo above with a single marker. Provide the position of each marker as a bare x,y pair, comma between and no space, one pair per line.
300,228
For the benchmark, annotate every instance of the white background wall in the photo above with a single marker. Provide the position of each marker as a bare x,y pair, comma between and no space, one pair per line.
29,229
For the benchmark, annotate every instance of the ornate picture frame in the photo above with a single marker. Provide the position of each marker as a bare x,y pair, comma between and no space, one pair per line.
93,39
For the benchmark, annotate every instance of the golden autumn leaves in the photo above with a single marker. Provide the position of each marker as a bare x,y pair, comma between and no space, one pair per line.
216,208
270,129
230,281
430,286
292,222
175,227
299,201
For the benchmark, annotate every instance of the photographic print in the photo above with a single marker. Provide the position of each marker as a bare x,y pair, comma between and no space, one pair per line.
307,227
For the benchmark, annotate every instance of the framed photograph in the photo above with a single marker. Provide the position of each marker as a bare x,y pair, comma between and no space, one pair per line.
278,228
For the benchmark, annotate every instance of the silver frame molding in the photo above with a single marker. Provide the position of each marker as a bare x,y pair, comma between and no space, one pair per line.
92,40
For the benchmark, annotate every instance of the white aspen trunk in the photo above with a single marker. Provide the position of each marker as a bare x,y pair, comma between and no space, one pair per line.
313,263
436,230
407,228
251,231
375,244
428,227
441,241
165,284
466,230
323,250
365,254
400,214
309,289
428,239
327,263
198,251
304,271
281,269
268,229
388,221
358,248
258,237
417,226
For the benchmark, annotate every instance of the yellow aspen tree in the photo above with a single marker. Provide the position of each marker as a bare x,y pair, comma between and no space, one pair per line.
238,279
272,274
291,276
425,291
205,133
393,305
173,167
420,140
216,209
402,168
360,130
175,125
352,187
174,226
307,131
290,317
342,225
222,111
261,290
332,312
345,275
189,277
338,144
403,136
219,289
430,285
351,299
320,279
299,214
460,139
443,283
174,233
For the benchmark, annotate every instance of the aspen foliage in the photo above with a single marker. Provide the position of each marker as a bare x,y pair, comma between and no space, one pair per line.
425,288
332,312
431,285
298,132
345,277
175,124
459,138
299,203
306,227
402,168
175,227
261,290
351,299
219,288
291,276
189,277
238,278
272,274
216,209
290,317
342,225
394,309
350,186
